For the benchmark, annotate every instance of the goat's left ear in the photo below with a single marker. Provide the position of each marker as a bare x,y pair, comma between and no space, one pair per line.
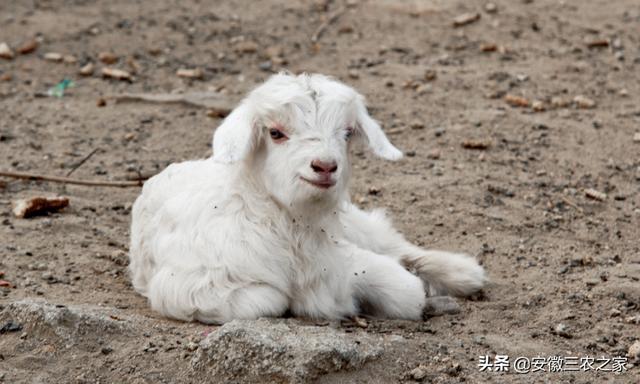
235,137
378,141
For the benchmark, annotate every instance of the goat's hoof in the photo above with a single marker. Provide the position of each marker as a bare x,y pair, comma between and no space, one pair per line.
440,305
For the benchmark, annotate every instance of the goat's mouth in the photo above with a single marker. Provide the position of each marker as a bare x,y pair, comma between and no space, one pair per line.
322,184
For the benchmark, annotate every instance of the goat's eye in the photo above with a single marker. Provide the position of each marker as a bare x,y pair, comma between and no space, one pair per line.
277,135
349,133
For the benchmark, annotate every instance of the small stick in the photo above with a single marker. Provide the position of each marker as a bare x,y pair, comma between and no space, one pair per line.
66,180
572,204
331,19
82,161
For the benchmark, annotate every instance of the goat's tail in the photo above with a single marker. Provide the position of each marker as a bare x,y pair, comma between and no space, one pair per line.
447,273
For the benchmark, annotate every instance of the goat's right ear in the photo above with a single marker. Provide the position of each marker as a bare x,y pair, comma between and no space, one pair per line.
235,137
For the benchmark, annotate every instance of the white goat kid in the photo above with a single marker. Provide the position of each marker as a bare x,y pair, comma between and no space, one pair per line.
266,225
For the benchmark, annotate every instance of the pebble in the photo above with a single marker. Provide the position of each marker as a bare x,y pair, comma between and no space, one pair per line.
441,305
465,19
418,373
265,65
117,74
107,57
636,137
416,124
28,47
491,8
106,350
595,195
354,74
195,73
10,326
634,350
53,56
516,101
559,102
191,346
584,102
538,106
563,331
86,70
5,51
246,47
480,340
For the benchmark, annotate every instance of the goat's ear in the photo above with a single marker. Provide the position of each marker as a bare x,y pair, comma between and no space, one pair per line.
378,141
235,137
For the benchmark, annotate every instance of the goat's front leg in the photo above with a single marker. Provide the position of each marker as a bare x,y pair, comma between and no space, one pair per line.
444,272
384,288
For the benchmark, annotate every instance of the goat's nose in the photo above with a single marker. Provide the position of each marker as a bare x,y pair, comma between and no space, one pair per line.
319,166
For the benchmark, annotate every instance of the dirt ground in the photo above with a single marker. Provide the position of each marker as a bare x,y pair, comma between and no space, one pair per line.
564,267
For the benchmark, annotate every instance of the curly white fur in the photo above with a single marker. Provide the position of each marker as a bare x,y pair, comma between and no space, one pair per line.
253,232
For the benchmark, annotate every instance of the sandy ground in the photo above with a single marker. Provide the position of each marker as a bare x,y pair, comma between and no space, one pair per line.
564,267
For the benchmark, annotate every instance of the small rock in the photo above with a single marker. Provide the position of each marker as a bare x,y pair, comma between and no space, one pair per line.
441,305
53,56
476,144
562,330
196,73
360,322
491,8
246,47
598,43
10,326
117,74
538,106
28,47
595,195
636,137
5,51
106,350
516,101
101,102
434,154
439,132
416,124
418,373
488,47
465,19
69,59
35,206
559,102
374,191
86,70
480,340
354,74
191,346
265,65
108,58
592,282
634,350
430,75
584,102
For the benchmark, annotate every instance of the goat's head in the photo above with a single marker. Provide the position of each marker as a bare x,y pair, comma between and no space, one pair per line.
294,134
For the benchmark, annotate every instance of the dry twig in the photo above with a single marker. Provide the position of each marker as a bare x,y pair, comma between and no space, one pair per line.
330,20
66,180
